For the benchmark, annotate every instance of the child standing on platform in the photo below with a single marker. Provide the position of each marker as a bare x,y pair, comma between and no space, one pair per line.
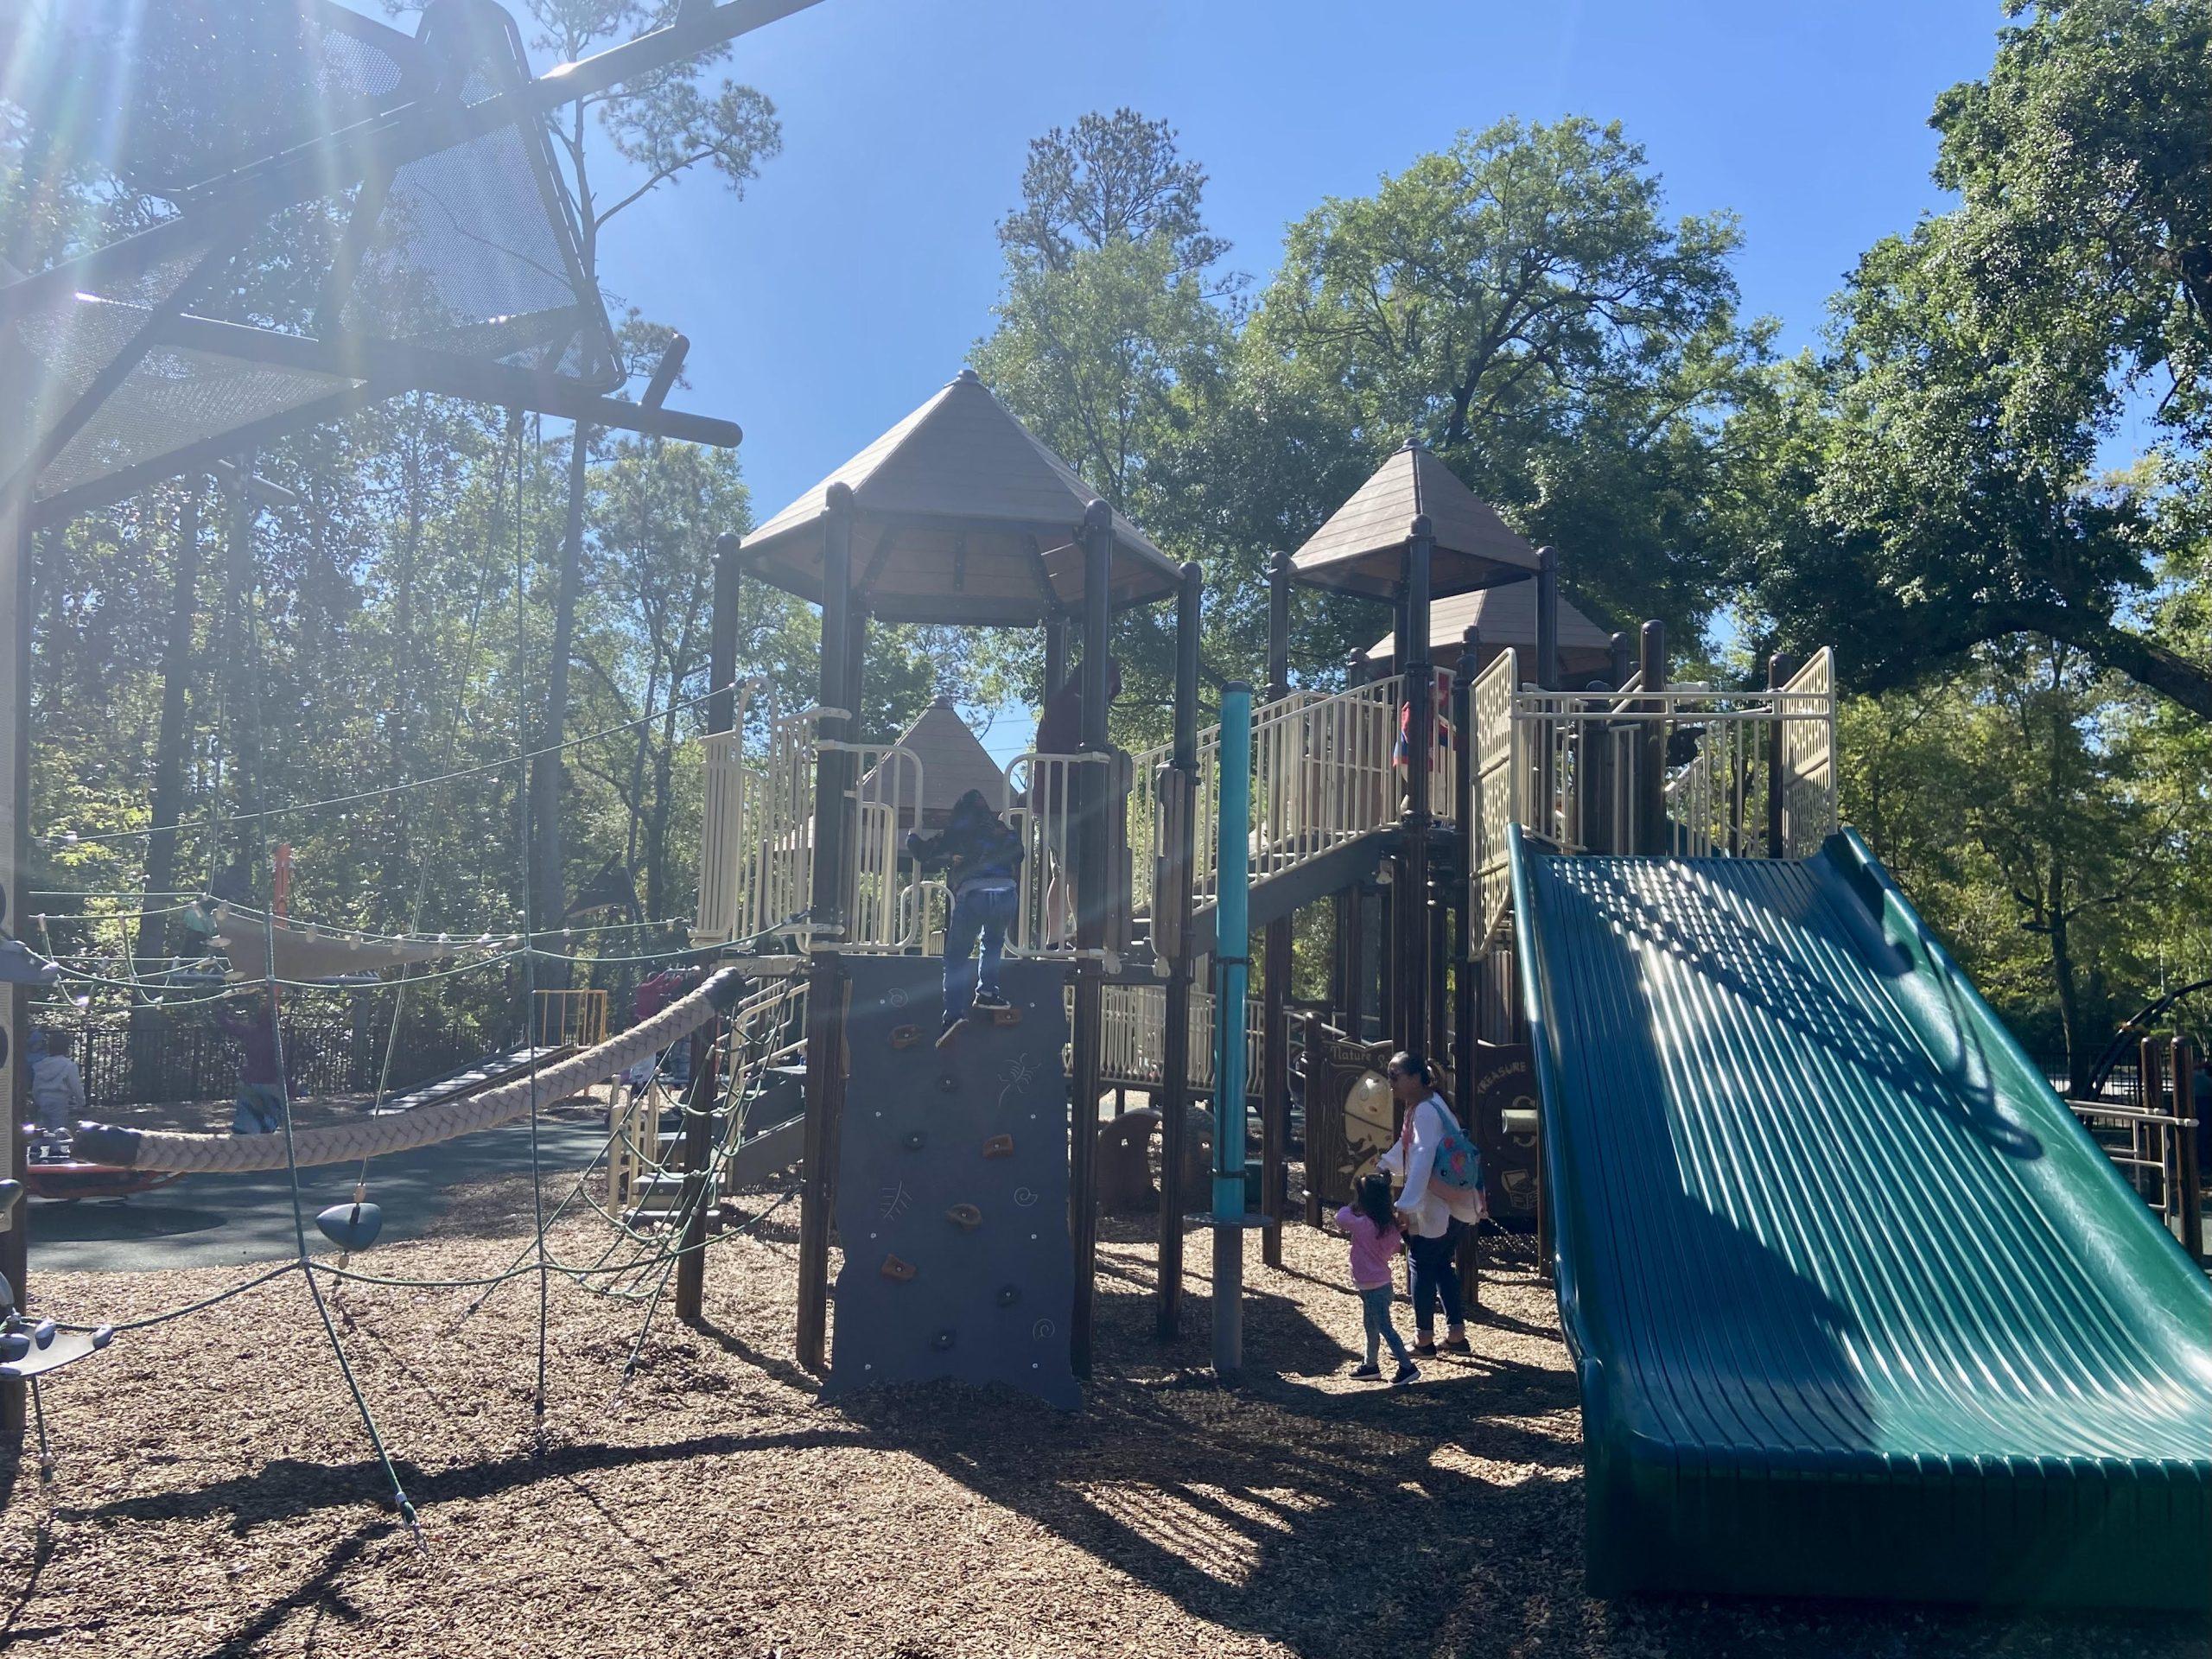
1372,1225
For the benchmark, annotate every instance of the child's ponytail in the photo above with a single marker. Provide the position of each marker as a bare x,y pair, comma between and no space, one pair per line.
1373,1198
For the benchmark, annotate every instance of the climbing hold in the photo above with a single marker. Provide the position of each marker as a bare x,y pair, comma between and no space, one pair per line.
10,1191
999,1146
905,1036
103,1335
43,1333
14,1345
948,1084
942,1341
966,1216
897,1271
351,1226
1009,1295
914,1141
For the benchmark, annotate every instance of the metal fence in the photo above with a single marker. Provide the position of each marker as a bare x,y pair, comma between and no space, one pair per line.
186,1059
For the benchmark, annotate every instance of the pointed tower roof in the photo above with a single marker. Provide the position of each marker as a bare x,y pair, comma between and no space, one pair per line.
1362,548
1506,616
953,762
960,515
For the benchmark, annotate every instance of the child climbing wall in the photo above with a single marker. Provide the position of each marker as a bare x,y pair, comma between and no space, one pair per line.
952,1188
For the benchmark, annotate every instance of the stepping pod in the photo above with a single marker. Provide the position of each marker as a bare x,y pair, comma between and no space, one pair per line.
352,1226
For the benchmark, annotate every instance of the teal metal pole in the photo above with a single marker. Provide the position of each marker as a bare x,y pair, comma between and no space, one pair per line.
1232,968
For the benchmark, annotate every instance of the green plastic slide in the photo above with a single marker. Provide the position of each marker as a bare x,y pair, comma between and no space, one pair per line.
1857,1306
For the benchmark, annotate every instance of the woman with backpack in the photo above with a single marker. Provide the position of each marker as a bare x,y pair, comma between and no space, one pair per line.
1443,1192
982,859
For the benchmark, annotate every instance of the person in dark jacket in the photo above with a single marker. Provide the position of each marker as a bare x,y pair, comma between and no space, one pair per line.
982,860
259,1107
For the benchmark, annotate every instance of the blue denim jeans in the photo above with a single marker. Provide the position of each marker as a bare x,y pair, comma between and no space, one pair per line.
1375,1305
983,915
259,1110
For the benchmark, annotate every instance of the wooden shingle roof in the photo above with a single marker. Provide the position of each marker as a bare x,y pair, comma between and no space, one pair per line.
1506,616
1362,547
960,515
953,762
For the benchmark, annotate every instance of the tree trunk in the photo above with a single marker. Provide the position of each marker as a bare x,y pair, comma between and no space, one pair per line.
167,803
546,776
2063,975
242,646
2153,666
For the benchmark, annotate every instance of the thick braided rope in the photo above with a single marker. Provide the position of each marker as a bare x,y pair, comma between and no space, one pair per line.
424,1126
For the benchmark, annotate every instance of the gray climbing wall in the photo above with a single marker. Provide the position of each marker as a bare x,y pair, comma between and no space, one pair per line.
952,1188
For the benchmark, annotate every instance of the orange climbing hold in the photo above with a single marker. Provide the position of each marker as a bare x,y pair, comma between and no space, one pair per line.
999,1146
899,1271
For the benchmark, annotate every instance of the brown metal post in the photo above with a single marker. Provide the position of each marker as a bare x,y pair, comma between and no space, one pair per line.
1175,1045
1548,619
1412,943
1353,947
16,548
1092,844
721,644
1056,653
1780,669
698,1156
1274,958
825,1024
2150,1096
1463,1089
1619,815
2189,1178
825,1100
698,1123
1651,766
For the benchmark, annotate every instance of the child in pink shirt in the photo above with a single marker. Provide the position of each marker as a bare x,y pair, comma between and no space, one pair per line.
1373,1227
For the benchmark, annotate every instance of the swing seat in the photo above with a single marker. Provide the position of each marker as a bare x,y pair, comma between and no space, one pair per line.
352,1226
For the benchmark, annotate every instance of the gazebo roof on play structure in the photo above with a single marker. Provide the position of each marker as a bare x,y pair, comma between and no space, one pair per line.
959,516
1362,547
953,763
1506,616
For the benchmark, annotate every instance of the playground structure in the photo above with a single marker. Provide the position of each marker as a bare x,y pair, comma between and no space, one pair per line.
1746,1051
1825,1243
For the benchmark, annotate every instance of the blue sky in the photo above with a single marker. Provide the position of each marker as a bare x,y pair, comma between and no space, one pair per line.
852,280
861,267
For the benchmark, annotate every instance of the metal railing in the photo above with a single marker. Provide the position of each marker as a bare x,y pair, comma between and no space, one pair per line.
756,862
879,915
1043,798
2154,1141
1133,1044
756,856
1580,765
1322,775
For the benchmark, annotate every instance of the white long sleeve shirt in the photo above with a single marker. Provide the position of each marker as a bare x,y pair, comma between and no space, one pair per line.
1430,1206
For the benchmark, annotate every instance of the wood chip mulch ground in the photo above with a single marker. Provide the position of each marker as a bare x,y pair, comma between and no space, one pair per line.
212,1493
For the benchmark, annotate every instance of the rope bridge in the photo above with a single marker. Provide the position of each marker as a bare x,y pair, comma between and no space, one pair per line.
402,1131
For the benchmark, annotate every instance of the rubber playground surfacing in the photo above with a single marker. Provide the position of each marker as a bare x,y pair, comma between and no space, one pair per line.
213,1494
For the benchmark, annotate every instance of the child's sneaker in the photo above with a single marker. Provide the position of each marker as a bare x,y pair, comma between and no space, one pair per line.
1425,1344
1407,1372
1367,1372
991,999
